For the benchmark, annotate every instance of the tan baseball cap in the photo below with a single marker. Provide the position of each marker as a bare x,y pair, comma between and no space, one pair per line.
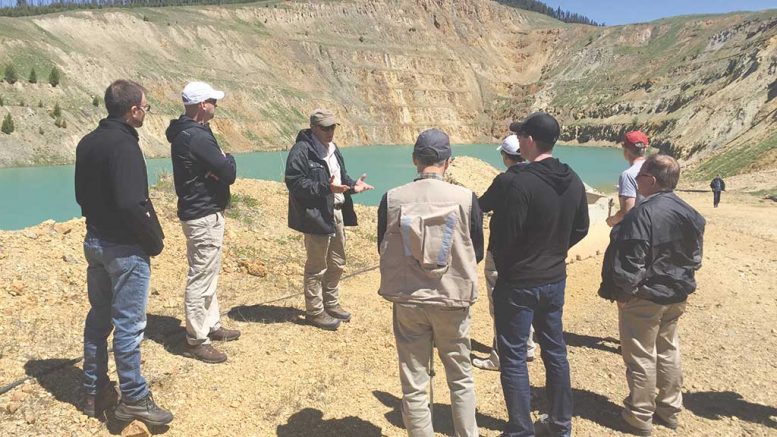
323,117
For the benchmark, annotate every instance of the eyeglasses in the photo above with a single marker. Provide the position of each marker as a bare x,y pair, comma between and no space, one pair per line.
328,128
213,102
145,109
639,175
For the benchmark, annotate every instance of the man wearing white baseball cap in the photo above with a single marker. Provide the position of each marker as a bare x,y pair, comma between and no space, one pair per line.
202,174
511,156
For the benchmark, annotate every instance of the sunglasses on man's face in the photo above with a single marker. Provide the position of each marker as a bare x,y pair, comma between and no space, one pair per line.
328,128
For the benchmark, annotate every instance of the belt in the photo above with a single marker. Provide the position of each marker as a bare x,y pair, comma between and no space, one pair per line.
339,206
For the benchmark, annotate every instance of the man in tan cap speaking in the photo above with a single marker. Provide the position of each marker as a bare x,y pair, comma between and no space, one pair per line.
320,206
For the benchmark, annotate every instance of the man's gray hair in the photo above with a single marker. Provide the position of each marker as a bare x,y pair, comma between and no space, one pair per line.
664,168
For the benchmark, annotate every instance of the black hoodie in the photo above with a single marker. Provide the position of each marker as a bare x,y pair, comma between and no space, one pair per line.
541,213
202,172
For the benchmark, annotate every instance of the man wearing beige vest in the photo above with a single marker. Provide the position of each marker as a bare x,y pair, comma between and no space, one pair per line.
430,239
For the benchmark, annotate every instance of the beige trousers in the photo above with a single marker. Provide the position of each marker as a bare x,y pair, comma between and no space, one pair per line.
489,271
324,267
416,329
651,350
204,238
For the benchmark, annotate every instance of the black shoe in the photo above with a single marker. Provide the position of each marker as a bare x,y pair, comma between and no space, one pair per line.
671,424
339,313
628,428
106,397
323,321
145,410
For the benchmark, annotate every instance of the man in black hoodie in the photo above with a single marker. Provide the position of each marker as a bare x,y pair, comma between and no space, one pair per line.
122,233
542,212
202,174
320,205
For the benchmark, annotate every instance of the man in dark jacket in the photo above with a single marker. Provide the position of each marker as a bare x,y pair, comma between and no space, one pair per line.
320,205
202,174
649,269
717,186
541,213
122,233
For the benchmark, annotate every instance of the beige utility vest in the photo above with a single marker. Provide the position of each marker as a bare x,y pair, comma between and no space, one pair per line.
426,255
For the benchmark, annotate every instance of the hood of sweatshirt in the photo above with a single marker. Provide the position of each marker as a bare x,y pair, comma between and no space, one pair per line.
181,124
553,172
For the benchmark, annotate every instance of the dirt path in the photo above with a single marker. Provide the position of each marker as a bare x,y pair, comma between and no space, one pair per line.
287,379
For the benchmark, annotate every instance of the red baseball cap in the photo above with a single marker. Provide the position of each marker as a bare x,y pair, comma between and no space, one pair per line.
636,139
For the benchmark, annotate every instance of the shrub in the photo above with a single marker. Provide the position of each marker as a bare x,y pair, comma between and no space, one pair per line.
40,131
10,74
54,76
57,111
33,76
7,126
96,101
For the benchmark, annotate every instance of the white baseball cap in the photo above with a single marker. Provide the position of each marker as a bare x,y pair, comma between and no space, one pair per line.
198,92
510,145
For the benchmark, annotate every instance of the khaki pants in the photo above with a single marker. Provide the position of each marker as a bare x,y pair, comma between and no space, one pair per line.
489,271
204,238
651,350
324,266
416,329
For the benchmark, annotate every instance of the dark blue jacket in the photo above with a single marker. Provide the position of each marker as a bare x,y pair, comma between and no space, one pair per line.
202,172
311,202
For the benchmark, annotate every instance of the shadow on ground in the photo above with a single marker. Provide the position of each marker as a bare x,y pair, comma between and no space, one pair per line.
64,381
265,314
310,422
716,405
607,344
166,331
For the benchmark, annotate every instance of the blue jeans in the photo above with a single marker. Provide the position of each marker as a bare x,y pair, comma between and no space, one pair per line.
514,310
117,279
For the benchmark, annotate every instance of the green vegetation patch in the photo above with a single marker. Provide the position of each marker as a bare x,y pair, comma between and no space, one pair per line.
734,160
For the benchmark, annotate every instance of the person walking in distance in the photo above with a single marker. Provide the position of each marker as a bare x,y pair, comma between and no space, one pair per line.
511,156
122,234
635,144
430,239
202,173
649,269
320,205
717,186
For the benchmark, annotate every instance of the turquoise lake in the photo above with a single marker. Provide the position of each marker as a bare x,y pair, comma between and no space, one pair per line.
34,194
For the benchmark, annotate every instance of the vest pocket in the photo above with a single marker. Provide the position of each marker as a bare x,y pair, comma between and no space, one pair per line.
427,233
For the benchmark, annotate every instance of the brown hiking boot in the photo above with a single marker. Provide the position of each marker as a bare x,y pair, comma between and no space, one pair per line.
323,321
95,405
205,353
339,313
145,410
223,334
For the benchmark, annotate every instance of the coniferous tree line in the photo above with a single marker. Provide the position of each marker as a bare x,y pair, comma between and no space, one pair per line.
37,7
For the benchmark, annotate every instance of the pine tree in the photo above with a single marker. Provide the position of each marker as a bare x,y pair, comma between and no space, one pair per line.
10,74
54,76
57,111
33,76
1,101
7,126
96,101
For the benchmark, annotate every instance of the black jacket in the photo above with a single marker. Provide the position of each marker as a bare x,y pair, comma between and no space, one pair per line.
202,172
311,202
540,211
717,184
112,187
654,252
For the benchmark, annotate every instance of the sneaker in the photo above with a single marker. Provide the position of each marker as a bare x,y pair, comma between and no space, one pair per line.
205,352
95,405
223,334
485,364
145,410
339,313
672,423
324,321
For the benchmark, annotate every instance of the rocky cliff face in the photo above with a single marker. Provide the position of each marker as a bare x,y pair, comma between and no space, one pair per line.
391,69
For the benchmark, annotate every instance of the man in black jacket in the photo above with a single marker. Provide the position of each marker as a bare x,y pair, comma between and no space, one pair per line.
717,186
320,205
541,211
649,268
122,233
202,174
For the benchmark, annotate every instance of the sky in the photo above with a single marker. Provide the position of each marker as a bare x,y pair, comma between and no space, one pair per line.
614,12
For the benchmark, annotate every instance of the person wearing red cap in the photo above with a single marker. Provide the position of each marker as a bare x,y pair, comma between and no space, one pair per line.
635,144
